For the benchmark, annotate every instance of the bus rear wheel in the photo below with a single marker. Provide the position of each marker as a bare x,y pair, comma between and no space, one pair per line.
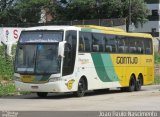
82,87
42,94
132,84
138,83
131,87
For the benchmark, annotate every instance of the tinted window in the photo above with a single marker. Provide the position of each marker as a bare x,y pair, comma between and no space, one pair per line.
85,42
97,42
140,46
148,46
110,43
70,52
121,44
126,44
132,45
81,43
41,36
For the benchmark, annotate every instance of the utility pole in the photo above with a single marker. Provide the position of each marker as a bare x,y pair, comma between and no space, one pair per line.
130,10
130,16
97,5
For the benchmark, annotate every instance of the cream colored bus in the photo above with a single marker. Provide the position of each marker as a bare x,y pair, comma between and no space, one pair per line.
80,58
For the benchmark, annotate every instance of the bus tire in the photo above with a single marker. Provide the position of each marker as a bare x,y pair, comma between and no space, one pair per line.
82,87
123,89
132,84
42,94
139,83
101,90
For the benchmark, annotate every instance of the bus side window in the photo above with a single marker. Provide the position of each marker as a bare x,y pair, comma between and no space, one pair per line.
87,41
121,44
81,42
132,45
126,47
140,46
110,44
97,42
148,46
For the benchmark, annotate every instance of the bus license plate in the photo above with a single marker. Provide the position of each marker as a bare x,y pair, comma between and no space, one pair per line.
34,87
27,78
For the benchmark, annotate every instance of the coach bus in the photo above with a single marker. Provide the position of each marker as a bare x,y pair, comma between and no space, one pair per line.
81,58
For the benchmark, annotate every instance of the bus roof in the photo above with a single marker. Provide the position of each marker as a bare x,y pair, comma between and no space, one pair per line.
52,28
110,30
102,28
91,28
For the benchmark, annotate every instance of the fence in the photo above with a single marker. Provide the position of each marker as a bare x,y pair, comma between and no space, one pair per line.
99,22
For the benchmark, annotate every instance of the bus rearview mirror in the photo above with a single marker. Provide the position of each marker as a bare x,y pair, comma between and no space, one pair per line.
61,49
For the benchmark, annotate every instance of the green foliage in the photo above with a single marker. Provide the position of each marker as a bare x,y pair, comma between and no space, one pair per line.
7,89
24,11
7,86
29,11
157,58
157,80
139,12
7,12
13,51
91,9
6,65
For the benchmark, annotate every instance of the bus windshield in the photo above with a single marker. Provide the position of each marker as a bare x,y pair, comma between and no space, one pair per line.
38,57
47,60
41,36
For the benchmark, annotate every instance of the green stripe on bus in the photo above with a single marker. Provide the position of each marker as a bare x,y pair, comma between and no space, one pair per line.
108,65
104,67
90,30
100,68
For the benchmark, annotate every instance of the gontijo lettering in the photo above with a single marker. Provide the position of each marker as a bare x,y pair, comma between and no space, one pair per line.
127,60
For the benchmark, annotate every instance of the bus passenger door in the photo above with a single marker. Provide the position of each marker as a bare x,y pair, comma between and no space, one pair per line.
69,53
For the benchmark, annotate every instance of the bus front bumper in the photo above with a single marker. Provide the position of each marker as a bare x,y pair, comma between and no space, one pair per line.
59,86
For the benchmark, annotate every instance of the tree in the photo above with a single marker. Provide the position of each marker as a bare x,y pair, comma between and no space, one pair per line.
30,10
6,11
24,11
139,12
4,4
99,9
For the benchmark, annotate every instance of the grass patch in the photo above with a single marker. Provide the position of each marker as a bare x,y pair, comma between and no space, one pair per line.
157,80
157,58
6,65
7,89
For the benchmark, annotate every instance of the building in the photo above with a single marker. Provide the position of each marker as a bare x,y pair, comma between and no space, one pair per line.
45,16
153,23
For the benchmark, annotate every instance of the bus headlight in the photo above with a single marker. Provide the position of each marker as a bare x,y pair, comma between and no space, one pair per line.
16,78
55,79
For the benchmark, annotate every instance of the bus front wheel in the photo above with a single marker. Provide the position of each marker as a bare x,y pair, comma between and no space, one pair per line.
42,94
82,87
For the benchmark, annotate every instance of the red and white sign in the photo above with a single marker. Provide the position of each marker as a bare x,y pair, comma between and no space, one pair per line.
9,35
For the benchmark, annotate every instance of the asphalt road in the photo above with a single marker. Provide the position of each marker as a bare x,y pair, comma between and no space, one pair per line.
146,100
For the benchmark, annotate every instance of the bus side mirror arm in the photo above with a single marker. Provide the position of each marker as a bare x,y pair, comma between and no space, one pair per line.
61,49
